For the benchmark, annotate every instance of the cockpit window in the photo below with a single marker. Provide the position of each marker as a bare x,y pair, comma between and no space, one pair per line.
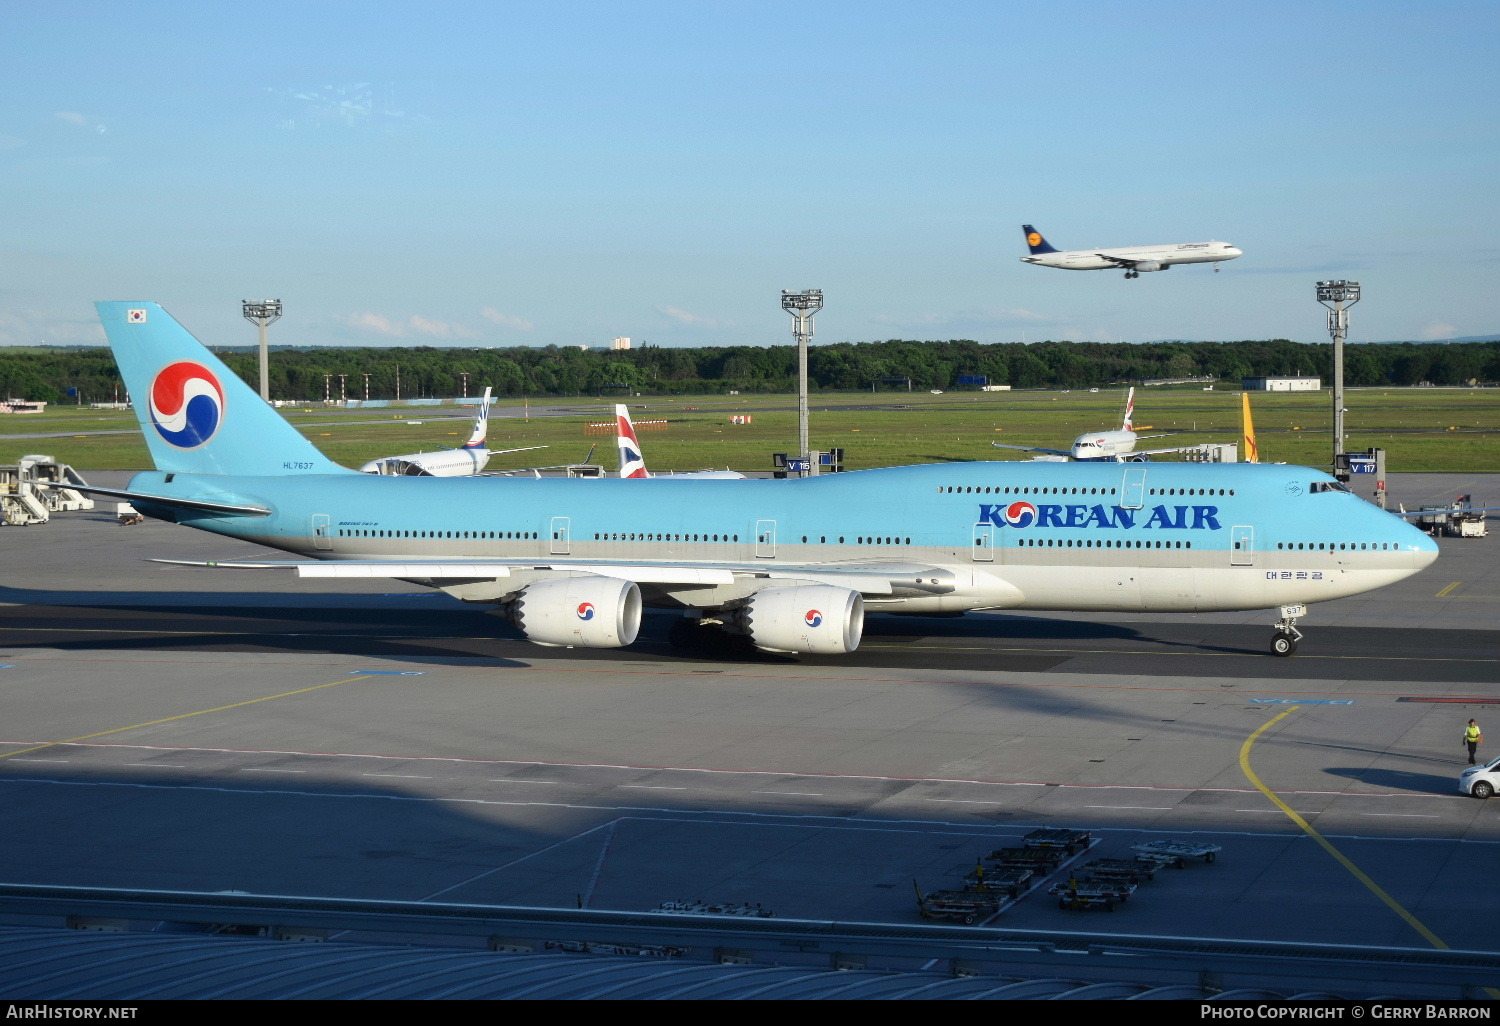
1326,486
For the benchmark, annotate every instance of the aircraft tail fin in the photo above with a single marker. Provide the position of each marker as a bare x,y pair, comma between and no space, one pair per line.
198,416
632,463
1247,430
481,424
1035,241
1129,424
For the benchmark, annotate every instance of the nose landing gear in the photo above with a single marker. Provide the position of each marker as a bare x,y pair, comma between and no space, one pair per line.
1284,641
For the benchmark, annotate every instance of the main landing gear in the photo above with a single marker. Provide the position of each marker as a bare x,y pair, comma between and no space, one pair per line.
1284,641
1132,274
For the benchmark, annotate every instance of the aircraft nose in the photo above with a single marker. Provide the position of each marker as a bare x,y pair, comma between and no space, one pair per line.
1234,251
1424,551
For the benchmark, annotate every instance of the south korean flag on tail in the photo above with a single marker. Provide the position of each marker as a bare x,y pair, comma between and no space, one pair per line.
135,316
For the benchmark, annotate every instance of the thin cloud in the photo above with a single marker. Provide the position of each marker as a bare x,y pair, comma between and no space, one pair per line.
691,319
380,324
494,316
1437,329
72,117
969,319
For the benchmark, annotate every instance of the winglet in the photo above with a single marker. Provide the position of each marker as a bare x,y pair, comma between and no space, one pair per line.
1035,241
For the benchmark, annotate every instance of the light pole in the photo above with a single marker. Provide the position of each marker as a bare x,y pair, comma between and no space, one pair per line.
367,385
261,314
802,306
1338,296
343,392
465,376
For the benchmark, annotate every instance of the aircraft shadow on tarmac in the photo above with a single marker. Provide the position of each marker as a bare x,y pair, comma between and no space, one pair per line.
1404,780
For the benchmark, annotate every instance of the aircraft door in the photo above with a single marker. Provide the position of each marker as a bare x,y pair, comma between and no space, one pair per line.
559,536
322,534
1242,545
1133,487
984,543
765,539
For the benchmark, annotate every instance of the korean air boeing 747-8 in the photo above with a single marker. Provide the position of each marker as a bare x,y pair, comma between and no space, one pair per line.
1132,259
784,565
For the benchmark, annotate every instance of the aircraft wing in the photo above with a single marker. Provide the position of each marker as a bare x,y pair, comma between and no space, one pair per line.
162,500
896,579
1033,448
1117,261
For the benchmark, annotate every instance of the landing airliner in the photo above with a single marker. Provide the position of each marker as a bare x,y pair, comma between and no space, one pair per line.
1134,259
468,459
1117,446
784,566
633,463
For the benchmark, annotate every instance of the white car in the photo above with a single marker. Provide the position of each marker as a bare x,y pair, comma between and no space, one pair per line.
1480,781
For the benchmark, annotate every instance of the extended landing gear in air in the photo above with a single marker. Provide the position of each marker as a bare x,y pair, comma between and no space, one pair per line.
1132,274
1284,641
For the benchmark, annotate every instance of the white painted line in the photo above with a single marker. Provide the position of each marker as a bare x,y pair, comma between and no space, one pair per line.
38,760
265,769
1278,812
519,780
799,794
653,787
1148,808
963,801
156,765
1402,815
403,776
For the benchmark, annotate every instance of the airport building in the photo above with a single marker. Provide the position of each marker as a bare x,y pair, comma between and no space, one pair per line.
1286,384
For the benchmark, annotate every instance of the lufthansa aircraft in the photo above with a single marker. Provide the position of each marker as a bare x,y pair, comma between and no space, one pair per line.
1133,259
1117,446
468,459
783,565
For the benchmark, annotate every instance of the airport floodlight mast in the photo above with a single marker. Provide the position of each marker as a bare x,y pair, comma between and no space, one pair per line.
1338,296
261,314
802,306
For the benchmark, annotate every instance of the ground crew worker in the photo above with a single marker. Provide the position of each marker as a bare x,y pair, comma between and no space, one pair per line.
1472,737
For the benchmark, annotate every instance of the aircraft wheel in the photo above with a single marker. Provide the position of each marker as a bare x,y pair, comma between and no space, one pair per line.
1283,644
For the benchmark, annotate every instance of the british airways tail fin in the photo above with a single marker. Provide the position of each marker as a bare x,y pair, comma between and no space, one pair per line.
481,424
198,416
632,463
1129,424
1035,241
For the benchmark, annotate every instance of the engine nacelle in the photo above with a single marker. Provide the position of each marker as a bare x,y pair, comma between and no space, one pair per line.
1148,265
815,618
578,612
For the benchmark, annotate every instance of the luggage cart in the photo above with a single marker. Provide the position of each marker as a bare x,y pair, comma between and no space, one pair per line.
1010,881
1058,837
1091,892
966,906
1175,853
1041,860
1132,870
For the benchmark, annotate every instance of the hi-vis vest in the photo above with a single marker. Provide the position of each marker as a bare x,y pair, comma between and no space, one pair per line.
1471,734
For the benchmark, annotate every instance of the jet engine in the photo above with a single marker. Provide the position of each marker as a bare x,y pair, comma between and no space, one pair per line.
577,612
1148,265
815,618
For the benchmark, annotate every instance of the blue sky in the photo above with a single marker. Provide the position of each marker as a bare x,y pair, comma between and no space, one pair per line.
532,173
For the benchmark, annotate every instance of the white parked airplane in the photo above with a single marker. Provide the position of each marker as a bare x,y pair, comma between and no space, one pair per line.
633,464
1134,259
1107,446
465,461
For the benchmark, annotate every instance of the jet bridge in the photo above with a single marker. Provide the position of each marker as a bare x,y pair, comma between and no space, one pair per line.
36,487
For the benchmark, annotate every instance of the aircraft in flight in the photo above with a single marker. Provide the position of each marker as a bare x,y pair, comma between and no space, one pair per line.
1111,446
1134,259
467,460
633,463
779,565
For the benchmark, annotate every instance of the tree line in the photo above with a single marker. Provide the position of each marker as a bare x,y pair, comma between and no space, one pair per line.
54,375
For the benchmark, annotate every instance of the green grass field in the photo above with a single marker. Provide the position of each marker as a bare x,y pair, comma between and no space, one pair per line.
1421,429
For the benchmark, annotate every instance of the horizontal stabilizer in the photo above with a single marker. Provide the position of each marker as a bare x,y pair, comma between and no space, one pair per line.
142,498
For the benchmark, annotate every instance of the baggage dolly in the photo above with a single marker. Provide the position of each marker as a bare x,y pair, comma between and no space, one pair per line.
1131,870
1058,837
1010,881
1091,892
1175,853
966,906
1042,860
